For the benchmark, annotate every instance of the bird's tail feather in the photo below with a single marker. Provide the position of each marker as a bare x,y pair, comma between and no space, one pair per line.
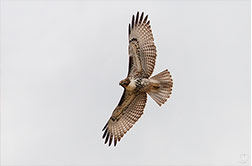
161,87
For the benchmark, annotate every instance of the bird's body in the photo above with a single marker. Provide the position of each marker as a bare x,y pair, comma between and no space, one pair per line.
138,83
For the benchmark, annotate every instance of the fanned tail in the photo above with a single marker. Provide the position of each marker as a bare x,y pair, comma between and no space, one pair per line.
161,87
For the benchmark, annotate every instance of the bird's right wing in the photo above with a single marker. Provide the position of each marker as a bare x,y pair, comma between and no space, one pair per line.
128,111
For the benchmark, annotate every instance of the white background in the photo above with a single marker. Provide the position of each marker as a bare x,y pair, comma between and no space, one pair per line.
61,62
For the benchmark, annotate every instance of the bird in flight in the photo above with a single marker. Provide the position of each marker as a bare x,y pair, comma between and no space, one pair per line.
138,83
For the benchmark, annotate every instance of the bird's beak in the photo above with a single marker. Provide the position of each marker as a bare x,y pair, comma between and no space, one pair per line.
122,83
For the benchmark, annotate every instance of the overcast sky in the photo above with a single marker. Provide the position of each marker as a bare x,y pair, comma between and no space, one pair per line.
61,62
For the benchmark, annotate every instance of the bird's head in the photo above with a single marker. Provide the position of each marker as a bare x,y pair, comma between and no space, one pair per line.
124,83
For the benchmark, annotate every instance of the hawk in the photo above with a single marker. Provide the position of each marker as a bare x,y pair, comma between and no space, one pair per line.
142,57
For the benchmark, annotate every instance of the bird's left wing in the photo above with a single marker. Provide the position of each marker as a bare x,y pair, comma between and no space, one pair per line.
128,111
142,50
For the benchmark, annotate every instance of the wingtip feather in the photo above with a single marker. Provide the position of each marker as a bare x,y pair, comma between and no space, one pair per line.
105,126
141,18
132,23
105,133
110,139
106,140
145,19
137,17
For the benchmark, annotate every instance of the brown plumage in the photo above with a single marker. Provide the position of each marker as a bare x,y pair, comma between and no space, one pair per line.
142,58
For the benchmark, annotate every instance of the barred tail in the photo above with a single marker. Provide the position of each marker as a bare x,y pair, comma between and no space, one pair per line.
161,87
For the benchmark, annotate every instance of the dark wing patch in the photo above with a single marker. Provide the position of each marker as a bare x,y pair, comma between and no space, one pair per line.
130,64
122,98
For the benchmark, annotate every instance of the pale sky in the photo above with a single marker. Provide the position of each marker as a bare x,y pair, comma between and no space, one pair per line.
61,62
